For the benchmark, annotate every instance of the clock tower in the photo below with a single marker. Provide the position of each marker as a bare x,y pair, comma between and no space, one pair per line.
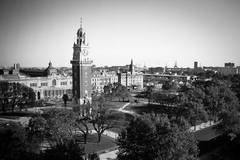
81,69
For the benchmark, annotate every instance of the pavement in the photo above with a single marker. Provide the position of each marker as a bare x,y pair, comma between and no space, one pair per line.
22,120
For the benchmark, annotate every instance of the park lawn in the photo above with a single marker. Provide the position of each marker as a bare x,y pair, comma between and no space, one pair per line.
107,143
115,104
141,108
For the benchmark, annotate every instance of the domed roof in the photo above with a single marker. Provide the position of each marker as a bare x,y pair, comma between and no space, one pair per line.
80,30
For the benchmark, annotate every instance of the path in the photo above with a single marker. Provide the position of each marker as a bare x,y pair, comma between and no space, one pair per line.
113,154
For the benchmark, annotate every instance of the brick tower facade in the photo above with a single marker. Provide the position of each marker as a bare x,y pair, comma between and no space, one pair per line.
81,69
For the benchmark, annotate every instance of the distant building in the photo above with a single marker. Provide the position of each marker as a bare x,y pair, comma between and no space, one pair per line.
130,78
103,78
50,86
50,70
4,71
195,65
155,70
229,64
229,69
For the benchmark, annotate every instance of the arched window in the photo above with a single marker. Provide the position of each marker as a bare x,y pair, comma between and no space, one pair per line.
54,82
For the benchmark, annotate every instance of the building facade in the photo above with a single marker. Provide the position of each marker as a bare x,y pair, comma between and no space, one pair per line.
101,79
48,87
228,69
131,80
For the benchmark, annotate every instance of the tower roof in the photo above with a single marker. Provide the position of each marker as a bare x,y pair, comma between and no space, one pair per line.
80,30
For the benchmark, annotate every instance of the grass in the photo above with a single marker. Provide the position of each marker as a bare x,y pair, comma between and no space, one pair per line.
141,108
107,143
115,104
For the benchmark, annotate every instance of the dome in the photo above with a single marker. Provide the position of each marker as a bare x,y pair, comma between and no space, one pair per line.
80,30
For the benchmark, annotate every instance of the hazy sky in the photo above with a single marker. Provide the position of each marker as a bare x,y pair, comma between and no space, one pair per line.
32,32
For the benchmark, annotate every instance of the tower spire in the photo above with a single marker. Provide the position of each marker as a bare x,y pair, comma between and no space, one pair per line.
81,23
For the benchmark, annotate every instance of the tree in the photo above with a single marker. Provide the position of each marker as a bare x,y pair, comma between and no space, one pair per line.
65,99
170,85
120,91
169,103
15,94
93,156
103,118
195,113
192,101
68,150
124,93
219,99
82,124
15,143
108,93
36,130
59,126
211,102
156,137
228,115
229,124
149,93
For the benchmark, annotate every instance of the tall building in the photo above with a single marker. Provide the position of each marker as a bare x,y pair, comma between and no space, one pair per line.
229,64
81,69
195,65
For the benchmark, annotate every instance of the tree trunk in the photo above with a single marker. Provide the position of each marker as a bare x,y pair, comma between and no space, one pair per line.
3,108
85,138
99,137
21,106
12,109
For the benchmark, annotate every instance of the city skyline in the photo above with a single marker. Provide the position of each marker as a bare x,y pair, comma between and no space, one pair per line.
156,33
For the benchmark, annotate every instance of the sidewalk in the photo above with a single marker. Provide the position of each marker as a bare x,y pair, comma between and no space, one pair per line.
109,156
112,154
22,120
202,126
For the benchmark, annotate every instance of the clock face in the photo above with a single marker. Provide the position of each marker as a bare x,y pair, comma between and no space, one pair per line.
85,52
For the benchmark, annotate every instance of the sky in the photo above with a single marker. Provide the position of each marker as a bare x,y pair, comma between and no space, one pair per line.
154,32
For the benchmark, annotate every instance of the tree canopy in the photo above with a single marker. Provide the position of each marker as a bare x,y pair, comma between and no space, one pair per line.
116,90
157,137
